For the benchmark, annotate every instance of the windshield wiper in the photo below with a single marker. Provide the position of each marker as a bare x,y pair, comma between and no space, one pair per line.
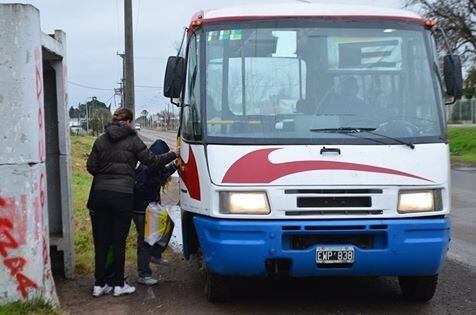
352,131
348,131
343,130
408,144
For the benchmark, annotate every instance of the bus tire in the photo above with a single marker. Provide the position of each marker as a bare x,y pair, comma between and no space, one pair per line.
418,288
216,289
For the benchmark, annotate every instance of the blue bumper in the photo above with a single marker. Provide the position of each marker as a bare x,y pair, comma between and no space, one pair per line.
392,247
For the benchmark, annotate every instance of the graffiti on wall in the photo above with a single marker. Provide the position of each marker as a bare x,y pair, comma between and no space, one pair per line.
47,277
9,242
41,229
39,101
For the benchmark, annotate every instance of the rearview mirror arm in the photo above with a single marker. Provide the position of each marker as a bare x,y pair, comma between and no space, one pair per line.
445,39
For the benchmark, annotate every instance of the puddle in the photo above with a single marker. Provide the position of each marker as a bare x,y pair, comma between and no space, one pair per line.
176,240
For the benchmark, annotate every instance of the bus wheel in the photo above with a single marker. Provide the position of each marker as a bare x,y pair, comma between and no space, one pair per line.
216,288
418,288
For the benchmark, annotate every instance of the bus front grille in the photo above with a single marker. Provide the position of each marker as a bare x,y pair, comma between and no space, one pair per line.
334,212
334,202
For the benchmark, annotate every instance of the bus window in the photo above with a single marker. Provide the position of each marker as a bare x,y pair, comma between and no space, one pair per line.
191,127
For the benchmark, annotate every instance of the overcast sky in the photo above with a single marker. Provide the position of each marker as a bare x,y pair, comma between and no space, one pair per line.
94,31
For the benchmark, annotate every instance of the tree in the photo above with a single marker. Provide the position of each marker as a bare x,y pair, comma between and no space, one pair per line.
141,120
99,114
91,106
73,112
99,118
457,18
168,118
470,83
143,117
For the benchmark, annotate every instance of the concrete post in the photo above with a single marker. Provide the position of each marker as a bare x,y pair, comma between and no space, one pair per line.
58,148
25,270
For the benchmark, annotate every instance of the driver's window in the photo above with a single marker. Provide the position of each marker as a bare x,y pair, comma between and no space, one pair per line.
191,126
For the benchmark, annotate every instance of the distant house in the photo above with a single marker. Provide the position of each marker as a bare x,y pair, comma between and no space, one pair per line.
75,125
161,120
155,118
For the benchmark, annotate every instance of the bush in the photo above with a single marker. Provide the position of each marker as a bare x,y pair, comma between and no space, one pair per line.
463,144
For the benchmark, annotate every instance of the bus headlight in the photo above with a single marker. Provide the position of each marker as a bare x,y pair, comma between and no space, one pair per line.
244,202
419,201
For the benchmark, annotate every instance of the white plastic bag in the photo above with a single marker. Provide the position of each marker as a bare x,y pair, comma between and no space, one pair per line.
158,225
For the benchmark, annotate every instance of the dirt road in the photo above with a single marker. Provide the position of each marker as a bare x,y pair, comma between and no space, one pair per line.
181,288
181,292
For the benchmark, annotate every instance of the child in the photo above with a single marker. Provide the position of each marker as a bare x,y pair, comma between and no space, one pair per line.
148,184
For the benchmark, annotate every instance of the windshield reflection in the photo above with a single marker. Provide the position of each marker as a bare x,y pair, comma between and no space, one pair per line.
282,83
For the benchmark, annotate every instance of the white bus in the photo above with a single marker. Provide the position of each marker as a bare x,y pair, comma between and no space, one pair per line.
313,143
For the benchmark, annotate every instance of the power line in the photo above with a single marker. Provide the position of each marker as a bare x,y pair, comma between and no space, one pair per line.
149,86
89,87
150,57
110,98
104,89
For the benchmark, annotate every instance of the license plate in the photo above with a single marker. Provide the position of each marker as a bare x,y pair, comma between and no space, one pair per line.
335,255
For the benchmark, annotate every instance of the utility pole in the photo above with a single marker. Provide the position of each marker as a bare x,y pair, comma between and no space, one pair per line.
80,125
129,57
87,119
120,91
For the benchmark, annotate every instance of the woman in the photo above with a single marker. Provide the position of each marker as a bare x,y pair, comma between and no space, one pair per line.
112,162
147,188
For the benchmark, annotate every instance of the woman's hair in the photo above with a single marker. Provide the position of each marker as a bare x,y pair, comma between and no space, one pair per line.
122,114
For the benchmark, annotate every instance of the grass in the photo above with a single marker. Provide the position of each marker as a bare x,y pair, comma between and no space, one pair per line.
36,307
83,237
463,145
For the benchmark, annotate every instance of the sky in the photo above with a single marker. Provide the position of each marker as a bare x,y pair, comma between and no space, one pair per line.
94,32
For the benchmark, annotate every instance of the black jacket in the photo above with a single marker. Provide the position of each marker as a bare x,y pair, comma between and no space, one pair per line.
114,157
150,190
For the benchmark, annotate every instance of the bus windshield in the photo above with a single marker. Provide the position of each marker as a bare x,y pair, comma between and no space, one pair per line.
321,84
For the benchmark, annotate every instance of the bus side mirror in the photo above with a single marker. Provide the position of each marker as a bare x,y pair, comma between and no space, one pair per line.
174,77
453,76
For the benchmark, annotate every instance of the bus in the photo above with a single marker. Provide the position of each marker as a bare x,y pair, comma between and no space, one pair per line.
313,143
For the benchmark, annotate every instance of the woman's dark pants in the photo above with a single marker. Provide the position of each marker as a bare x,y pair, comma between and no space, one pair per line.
111,215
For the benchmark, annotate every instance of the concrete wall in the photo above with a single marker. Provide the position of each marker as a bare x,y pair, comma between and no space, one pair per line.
58,148
25,271
22,139
34,156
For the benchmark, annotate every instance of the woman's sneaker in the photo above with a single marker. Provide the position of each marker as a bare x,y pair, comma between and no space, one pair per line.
125,289
98,290
147,280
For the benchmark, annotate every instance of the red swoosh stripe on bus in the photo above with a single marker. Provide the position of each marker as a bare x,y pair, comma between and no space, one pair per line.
189,175
256,168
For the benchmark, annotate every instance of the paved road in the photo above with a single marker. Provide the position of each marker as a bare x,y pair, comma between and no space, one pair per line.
463,215
149,136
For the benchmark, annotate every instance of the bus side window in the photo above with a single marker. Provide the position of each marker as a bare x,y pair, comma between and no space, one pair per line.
191,126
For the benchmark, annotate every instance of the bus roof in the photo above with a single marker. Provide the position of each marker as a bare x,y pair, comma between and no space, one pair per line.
305,10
